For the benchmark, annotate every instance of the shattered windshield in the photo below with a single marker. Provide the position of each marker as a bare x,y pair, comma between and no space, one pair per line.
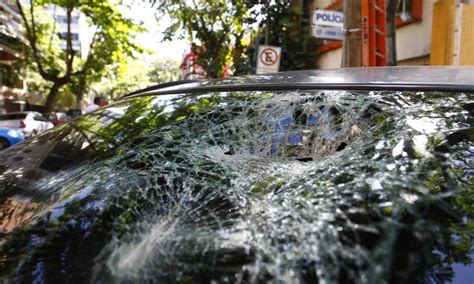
294,186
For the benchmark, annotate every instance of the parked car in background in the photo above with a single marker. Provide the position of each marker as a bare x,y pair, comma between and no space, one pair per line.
73,113
9,137
56,118
359,175
29,122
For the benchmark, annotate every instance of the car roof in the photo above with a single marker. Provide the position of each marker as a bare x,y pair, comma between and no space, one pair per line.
414,78
19,112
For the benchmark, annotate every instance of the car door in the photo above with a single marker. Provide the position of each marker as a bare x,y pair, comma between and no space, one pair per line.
40,122
31,125
9,121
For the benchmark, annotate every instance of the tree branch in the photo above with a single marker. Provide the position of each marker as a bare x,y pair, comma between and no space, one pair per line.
32,38
203,27
89,56
69,50
53,30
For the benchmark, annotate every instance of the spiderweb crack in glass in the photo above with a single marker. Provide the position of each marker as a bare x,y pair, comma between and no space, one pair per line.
331,186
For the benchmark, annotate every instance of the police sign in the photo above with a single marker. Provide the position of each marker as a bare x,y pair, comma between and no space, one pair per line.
328,18
327,33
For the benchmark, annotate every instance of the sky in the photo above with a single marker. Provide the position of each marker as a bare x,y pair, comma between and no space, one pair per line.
143,12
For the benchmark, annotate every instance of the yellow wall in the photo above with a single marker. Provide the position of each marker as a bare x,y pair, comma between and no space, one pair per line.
466,56
439,34
442,37
453,34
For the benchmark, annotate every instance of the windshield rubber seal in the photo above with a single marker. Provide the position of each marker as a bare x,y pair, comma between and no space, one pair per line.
309,86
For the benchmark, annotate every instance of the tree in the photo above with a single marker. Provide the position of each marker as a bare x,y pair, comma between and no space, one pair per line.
122,77
113,37
213,26
114,42
164,70
219,30
283,26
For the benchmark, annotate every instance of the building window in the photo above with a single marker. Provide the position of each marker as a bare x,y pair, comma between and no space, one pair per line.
408,11
74,36
404,6
63,19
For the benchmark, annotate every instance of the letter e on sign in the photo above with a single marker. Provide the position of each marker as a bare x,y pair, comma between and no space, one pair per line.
268,59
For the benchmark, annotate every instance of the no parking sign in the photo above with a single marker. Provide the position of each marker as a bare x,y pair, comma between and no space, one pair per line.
268,60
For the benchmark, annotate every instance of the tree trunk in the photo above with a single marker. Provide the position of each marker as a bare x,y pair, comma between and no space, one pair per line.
296,29
79,97
391,33
352,44
53,92
237,55
81,89
211,74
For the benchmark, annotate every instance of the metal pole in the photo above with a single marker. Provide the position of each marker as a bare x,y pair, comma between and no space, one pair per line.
266,33
352,44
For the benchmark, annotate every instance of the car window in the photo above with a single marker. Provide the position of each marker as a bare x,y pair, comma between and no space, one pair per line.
51,117
249,186
62,116
13,116
39,117
20,116
5,117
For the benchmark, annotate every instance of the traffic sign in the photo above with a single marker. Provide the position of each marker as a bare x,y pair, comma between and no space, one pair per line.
328,18
333,33
268,60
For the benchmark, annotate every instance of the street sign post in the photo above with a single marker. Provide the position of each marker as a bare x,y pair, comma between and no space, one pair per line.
333,33
268,60
328,18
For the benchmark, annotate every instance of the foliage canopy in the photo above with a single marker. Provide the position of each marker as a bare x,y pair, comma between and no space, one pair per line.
226,33
216,29
112,40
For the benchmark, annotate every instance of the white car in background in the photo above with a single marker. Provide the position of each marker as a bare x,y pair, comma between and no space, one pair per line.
28,122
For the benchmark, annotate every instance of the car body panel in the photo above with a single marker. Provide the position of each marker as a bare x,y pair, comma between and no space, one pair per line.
11,135
56,118
421,78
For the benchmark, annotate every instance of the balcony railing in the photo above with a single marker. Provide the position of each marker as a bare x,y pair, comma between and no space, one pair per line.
10,8
10,26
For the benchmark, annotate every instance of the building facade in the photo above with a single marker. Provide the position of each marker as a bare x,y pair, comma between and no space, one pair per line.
436,32
12,44
79,29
